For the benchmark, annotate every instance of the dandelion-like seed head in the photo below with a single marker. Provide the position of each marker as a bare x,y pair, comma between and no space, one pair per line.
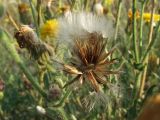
90,61
78,25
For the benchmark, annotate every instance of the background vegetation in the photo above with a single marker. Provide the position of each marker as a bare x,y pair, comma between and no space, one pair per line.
31,82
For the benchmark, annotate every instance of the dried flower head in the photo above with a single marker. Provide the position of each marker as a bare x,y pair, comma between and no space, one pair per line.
90,61
28,39
49,29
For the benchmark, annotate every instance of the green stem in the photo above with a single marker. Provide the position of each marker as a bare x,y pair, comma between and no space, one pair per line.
63,99
141,27
12,51
86,2
137,86
149,41
60,3
39,2
50,112
34,17
118,18
151,44
134,25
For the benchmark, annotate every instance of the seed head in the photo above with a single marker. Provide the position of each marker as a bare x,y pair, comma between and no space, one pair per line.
91,61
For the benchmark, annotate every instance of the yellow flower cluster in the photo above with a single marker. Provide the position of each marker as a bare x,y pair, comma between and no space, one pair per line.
146,16
49,29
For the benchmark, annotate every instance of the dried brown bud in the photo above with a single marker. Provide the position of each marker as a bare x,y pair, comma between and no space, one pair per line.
27,38
54,92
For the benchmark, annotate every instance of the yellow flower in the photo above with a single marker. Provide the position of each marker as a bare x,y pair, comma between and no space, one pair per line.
146,16
49,29
130,14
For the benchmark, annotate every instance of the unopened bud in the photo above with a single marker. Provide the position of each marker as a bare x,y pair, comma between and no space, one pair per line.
54,92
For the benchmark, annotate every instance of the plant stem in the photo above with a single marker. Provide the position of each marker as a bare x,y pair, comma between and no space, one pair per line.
147,56
39,2
63,99
141,27
51,111
12,51
151,43
117,19
34,17
134,25
12,21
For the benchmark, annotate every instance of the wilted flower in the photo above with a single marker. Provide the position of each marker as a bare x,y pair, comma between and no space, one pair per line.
90,60
28,39
49,29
